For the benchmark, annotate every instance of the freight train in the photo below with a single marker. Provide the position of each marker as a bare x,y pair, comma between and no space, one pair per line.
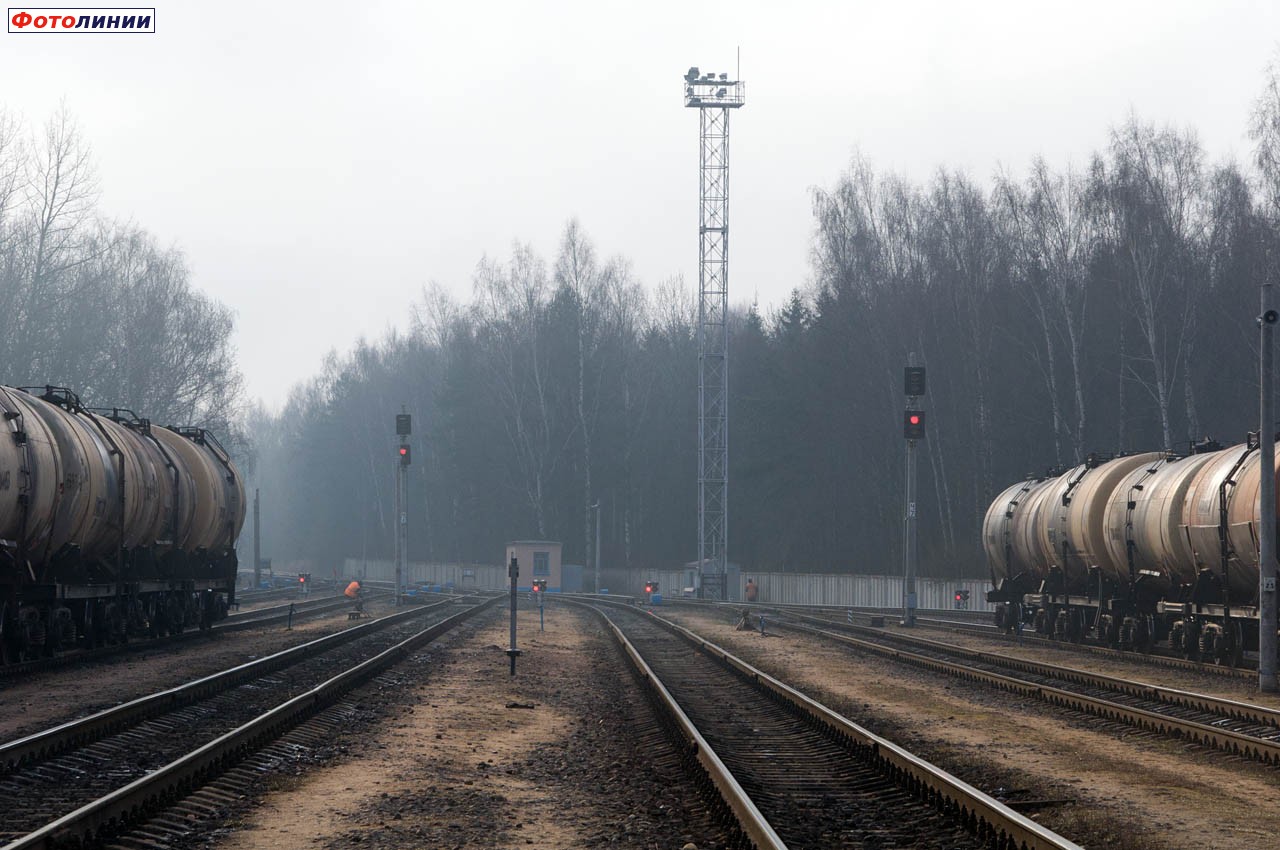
1134,550
110,526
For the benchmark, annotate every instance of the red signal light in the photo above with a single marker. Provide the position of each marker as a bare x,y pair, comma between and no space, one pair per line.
404,450
913,424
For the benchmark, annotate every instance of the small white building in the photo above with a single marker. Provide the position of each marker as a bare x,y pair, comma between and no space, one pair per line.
536,559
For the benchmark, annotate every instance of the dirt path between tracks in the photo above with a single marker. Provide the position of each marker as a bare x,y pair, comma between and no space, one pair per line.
1126,788
562,755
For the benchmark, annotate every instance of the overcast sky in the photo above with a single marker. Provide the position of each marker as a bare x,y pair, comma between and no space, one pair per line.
319,163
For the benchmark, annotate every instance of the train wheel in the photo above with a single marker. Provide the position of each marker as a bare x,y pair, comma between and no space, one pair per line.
1230,648
1204,649
1041,622
9,649
1113,632
32,633
1142,634
62,629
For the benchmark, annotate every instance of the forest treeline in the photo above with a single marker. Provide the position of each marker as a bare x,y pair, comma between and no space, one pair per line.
93,304
1108,307
1060,310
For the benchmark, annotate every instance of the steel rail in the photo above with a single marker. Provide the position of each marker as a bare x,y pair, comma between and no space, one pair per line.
176,779
281,613
989,817
1237,743
1170,661
50,742
750,819
1234,709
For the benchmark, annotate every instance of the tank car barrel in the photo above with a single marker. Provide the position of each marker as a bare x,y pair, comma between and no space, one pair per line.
101,512
1134,537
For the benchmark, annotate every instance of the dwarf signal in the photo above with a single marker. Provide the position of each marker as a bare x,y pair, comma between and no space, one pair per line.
539,585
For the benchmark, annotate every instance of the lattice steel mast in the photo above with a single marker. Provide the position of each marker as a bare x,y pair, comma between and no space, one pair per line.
713,98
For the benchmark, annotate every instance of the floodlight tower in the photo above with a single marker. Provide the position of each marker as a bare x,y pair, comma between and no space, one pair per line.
713,96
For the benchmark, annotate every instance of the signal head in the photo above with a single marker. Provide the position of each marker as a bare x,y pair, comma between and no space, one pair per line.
913,424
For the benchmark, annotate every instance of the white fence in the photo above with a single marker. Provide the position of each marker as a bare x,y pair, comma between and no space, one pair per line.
463,576
842,590
783,588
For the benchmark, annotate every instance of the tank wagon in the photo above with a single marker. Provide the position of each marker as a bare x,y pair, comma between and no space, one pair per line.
110,526
1134,550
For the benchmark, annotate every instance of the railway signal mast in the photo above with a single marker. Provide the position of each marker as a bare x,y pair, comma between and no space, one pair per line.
913,431
713,96
404,427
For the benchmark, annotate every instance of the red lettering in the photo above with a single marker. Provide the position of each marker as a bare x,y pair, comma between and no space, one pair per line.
21,19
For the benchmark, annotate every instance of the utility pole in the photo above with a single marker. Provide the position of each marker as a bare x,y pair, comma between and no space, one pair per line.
1267,497
257,542
913,430
713,96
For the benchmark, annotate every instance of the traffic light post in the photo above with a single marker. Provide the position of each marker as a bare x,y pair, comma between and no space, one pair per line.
913,431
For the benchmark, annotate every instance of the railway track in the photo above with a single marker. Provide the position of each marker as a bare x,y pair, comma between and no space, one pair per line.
87,780
794,773
955,621
1242,729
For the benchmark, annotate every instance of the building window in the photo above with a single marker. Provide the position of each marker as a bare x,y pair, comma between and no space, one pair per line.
542,563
